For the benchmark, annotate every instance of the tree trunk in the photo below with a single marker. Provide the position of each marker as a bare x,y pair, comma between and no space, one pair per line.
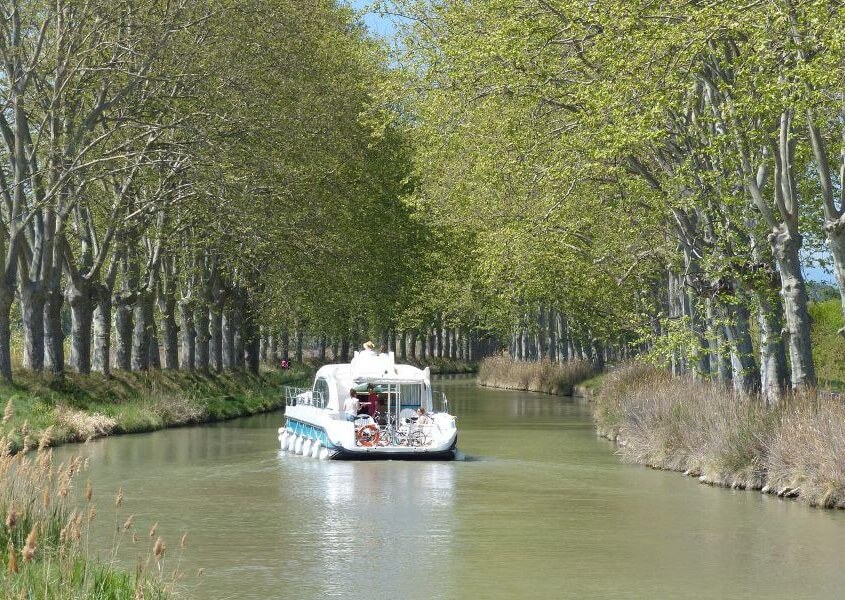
263,344
170,331
412,344
286,346
7,296
188,335
203,337
154,350
122,331
438,338
403,345
216,330
229,327
745,372
32,315
273,349
720,361
54,333
102,333
82,316
774,377
786,246
240,340
143,316
298,347
252,342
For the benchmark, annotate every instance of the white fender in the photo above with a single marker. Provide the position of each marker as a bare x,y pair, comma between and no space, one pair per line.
324,453
297,445
306,448
283,440
315,449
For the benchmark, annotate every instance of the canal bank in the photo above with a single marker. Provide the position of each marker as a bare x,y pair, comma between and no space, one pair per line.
42,411
540,507
704,430
723,438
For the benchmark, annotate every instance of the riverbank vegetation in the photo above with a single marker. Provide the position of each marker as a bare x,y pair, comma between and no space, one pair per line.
724,437
40,410
542,376
48,525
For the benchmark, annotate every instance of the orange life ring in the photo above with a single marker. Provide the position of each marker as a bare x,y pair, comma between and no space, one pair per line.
368,435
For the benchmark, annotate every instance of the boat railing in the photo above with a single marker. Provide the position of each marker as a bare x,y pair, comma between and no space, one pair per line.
439,402
296,395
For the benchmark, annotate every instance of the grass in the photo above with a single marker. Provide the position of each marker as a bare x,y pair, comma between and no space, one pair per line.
724,438
44,538
828,344
80,408
543,376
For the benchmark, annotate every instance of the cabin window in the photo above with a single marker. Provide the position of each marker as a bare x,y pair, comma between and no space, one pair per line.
321,389
411,395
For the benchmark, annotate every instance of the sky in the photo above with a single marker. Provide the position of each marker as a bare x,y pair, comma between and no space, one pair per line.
381,26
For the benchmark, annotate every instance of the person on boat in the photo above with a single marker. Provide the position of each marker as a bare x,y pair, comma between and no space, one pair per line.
352,406
369,349
372,400
423,418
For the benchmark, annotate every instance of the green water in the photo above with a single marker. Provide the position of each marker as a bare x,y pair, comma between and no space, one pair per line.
540,508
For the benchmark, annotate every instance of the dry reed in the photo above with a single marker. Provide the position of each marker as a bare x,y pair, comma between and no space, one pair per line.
542,376
46,535
726,438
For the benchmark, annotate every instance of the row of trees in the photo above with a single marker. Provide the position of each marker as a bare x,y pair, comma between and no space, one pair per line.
657,173
181,181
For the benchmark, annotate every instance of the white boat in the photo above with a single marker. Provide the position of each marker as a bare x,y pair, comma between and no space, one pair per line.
316,425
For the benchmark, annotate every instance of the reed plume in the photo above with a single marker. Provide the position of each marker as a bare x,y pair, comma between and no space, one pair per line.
13,559
31,544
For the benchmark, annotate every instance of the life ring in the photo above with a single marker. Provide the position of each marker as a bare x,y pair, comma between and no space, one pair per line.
368,435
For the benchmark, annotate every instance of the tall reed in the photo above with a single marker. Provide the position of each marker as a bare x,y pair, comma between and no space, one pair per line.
542,376
706,429
45,547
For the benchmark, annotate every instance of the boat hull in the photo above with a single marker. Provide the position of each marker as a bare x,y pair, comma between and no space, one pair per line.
333,439
394,454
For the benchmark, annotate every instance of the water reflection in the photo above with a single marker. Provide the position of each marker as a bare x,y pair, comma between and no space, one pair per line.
370,529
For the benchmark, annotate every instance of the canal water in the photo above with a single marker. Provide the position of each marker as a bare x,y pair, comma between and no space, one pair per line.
539,507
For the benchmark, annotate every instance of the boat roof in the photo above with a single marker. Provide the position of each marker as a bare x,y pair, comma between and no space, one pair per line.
370,366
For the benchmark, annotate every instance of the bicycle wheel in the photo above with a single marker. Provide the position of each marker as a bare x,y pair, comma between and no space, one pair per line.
418,438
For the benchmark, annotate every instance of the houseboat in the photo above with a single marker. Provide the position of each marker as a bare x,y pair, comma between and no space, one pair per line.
404,418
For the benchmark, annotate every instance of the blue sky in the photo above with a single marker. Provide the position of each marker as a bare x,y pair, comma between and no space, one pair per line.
381,26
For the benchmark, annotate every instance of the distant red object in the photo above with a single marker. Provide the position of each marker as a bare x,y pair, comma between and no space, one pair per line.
285,364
